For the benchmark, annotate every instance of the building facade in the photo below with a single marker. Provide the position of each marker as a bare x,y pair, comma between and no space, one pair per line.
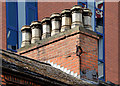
104,22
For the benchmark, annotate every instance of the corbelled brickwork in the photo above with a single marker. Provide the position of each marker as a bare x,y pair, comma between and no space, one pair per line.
61,50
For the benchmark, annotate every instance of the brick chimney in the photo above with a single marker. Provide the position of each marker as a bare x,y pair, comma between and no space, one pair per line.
56,23
26,35
63,50
66,20
46,28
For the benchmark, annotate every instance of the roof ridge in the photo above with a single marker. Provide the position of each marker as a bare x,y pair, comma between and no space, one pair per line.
24,57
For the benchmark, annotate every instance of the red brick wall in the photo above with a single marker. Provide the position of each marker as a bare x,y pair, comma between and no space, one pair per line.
17,81
63,52
111,41
45,9
3,82
3,25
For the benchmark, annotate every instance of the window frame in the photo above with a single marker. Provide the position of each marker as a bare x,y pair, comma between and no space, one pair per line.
103,36
11,27
82,3
95,18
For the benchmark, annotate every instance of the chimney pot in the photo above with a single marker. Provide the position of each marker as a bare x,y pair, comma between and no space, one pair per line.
26,35
56,23
66,20
76,16
46,26
87,19
36,31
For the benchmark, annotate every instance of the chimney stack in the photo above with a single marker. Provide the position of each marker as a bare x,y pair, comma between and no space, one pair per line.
36,31
46,27
87,19
66,20
77,16
50,26
26,35
56,23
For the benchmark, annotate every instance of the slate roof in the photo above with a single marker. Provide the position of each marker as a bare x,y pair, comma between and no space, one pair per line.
24,64
39,69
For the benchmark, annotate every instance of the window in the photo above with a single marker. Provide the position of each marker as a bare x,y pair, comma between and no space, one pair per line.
31,12
91,6
12,25
101,63
99,16
100,70
100,48
12,39
99,28
21,20
12,14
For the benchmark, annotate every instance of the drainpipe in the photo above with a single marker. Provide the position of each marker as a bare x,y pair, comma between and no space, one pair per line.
79,52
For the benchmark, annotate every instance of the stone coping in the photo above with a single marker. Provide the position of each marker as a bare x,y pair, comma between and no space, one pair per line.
58,37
